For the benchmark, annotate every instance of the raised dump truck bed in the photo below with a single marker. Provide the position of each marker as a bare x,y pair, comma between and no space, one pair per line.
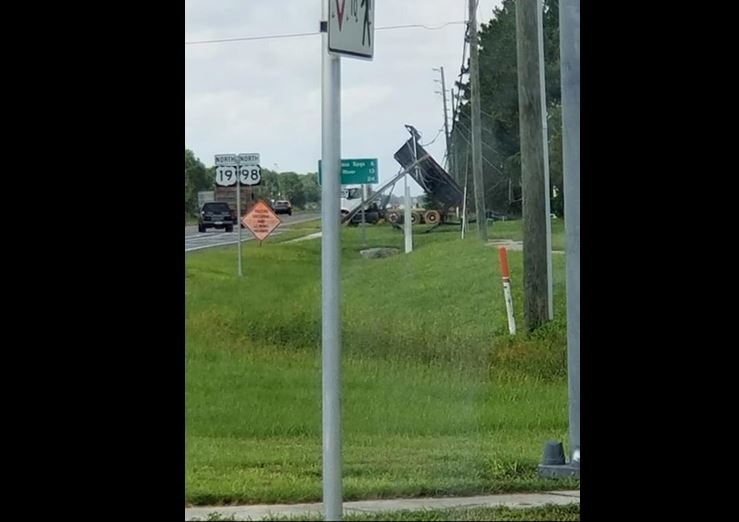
431,177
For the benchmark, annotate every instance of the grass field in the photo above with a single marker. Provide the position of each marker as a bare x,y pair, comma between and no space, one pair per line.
437,398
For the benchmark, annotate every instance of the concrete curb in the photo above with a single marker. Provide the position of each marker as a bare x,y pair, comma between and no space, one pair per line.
268,511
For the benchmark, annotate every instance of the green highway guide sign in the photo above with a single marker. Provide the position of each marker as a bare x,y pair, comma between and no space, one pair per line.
356,171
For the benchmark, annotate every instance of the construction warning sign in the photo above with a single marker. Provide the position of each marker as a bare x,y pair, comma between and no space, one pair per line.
261,220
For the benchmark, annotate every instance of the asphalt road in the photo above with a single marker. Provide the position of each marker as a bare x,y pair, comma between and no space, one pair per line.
195,240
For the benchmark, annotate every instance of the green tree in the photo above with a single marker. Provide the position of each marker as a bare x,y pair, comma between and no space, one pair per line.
311,188
291,188
269,188
556,172
197,178
499,103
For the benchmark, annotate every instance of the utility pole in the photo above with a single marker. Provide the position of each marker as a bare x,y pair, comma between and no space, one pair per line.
456,175
535,283
569,16
482,227
446,121
569,27
545,138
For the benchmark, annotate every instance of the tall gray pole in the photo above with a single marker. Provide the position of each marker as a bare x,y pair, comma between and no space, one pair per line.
553,464
238,213
364,222
456,164
545,137
407,218
532,166
569,16
446,123
482,227
330,280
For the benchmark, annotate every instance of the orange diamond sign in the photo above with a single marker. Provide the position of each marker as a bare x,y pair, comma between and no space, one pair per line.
261,220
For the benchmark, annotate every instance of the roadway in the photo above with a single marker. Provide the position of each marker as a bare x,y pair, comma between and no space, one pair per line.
195,240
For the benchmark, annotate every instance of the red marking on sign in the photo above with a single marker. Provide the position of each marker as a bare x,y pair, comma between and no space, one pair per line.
261,220
340,12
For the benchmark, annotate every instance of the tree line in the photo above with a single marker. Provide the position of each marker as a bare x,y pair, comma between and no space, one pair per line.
301,189
501,163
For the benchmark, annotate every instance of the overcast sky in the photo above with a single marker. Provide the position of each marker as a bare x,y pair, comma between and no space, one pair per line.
265,96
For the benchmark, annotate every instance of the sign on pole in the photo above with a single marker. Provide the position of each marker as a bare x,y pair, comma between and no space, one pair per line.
351,28
355,171
238,169
349,32
244,168
261,220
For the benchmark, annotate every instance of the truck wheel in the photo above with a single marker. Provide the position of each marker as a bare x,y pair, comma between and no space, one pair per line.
230,228
393,217
432,217
415,218
201,228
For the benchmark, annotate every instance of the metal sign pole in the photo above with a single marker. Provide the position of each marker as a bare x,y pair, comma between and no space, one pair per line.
407,220
569,12
330,281
553,464
238,213
364,231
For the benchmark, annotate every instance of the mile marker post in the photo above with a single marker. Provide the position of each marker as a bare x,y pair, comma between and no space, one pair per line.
506,276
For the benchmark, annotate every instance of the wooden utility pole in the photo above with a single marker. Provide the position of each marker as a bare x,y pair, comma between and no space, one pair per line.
456,175
449,155
536,310
482,227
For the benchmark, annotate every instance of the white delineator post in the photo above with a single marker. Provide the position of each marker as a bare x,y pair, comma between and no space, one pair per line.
506,276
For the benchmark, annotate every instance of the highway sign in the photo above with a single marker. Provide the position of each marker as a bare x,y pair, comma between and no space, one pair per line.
233,167
226,175
261,220
250,175
356,171
351,28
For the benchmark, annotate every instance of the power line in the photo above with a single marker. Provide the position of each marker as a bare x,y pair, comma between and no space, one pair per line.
484,143
486,114
295,35
435,138
248,38
421,26
483,156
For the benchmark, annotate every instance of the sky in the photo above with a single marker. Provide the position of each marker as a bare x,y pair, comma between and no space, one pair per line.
264,96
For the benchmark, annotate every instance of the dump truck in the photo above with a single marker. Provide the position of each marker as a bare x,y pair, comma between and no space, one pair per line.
228,195
438,185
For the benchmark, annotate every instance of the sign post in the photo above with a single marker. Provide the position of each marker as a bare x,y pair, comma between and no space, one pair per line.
364,223
347,33
241,169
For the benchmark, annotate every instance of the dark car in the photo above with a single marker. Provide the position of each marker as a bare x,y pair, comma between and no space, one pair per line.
283,206
216,214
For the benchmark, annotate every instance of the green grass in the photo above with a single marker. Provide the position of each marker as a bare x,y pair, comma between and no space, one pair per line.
514,230
437,398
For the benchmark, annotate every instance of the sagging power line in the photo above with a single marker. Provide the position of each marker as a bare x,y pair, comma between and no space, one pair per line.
314,33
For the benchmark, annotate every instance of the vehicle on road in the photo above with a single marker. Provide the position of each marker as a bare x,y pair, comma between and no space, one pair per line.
282,206
216,214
